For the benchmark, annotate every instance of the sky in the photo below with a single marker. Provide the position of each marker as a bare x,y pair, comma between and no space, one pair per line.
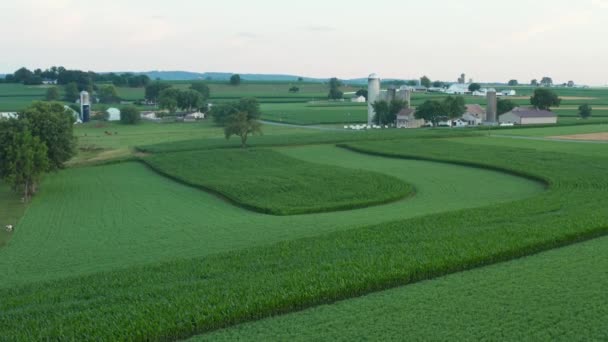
489,40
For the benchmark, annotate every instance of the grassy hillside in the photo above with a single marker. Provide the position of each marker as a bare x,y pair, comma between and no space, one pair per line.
557,296
270,182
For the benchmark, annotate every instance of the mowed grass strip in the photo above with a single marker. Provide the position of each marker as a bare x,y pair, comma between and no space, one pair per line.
181,298
558,295
272,183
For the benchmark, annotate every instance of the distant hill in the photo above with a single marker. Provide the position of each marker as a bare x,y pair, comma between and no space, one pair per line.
222,76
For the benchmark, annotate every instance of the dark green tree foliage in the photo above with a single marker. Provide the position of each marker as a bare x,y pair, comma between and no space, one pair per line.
189,99
386,113
412,83
545,99
54,126
454,107
169,99
534,83
431,111
425,82
546,81
202,88
235,80
513,83
334,89
474,87
221,112
438,84
52,94
154,89
71,92
294,89
242,125
585,111
362,92
130,115
504,106
108,94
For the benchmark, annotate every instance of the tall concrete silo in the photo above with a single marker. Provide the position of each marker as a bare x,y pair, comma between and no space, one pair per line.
373,94
492,107
85,106
405,94
391,94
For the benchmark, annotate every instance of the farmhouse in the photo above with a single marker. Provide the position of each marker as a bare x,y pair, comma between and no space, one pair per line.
475,115
528,116
406,119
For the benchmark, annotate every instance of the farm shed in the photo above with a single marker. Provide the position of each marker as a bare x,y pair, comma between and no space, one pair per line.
528,116
113,114
358,99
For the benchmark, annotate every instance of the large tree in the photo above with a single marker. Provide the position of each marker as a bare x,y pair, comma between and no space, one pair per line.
585,111
235,80
425,82
504,106
221,112
534,83
386,113
202,88
545,99
546,81
189,100
130,115
474,87
169,99
513,83
431,111
362,92
108,94
334,89
54,126
454,107
154,89
240,124
438,84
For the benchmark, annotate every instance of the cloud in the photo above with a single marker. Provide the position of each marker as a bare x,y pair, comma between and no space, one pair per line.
320,28
553,24
600,3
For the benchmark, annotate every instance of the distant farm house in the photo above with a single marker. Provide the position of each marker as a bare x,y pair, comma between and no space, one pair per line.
528,116
359,99
406,119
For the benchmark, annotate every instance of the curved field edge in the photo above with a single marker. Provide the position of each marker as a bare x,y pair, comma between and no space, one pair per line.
272,183
555,295
183,298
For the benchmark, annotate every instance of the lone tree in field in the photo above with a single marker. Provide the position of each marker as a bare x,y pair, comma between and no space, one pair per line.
504,106
52,94
513,83
334,89
585,111
545,99
242,125
130,115
235,80
431,111
221,112
474,87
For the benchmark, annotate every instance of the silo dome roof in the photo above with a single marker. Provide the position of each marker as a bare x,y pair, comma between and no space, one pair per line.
373,76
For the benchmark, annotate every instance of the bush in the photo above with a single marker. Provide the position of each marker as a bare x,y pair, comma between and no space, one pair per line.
130,115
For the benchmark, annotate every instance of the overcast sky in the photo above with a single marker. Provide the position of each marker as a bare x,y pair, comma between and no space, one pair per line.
489,40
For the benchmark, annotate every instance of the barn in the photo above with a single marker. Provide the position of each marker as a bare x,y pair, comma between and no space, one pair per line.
528,116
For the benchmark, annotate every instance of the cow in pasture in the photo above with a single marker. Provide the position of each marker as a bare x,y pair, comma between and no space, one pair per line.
9,228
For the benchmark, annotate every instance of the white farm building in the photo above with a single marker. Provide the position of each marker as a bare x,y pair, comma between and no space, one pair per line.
528,116
113,114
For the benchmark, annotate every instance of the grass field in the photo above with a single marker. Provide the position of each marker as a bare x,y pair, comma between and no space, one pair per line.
290,186
322,113
554,296
11,210
120,252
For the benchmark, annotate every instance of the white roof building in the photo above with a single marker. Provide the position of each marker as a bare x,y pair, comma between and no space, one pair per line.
358,99
458,89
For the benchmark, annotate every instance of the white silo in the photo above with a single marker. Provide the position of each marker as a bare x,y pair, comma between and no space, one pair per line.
373,93
85,106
